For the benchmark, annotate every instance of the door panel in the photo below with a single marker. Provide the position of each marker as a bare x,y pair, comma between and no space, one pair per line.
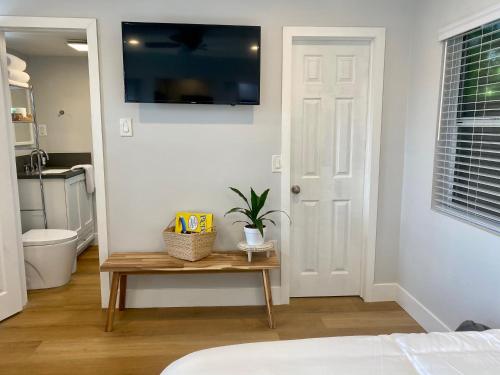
11,261
85,203
80,211
73,205
343,139
310,213
340,235
329,114
310,133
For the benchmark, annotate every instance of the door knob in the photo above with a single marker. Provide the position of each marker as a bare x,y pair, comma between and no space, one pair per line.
295,189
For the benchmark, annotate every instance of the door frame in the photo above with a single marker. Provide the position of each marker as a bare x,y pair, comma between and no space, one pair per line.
12,280
19,23
376,38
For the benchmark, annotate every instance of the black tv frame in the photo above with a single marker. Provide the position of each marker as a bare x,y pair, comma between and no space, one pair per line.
257,102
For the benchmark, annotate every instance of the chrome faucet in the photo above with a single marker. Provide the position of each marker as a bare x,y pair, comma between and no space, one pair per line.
45,157
42,158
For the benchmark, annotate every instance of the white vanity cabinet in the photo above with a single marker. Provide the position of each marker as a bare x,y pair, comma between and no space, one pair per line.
68,205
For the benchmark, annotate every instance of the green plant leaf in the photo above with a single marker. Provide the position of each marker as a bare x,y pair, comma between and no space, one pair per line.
240,194
241,221
255,204
254,198
272,221
262,200
236,209
260,226
273,211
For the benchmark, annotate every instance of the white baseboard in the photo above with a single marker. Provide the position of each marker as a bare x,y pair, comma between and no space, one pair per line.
191,297
383,292
423,316
394,292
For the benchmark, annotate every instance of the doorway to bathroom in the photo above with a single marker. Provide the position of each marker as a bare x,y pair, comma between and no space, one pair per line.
52,122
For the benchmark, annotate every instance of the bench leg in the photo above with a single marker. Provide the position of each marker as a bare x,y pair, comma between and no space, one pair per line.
269,298
112,301
123,292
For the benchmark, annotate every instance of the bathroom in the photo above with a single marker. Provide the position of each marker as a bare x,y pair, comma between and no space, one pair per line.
49,86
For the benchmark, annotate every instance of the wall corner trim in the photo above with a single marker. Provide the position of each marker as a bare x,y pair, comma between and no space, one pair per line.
425,317
382,292
468,23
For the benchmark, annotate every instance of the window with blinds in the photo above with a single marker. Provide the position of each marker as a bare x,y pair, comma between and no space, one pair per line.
467,157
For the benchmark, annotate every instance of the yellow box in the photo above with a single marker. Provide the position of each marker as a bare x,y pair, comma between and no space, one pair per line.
194,222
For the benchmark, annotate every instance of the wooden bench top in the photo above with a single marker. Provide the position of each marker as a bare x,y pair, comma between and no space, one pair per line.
161,262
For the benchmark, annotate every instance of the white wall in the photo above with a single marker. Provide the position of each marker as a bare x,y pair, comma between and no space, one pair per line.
184,157
451,267
62,83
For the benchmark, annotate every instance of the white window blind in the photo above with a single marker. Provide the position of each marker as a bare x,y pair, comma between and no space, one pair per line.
466,179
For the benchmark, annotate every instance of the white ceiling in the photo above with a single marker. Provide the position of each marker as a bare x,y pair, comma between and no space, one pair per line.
44,43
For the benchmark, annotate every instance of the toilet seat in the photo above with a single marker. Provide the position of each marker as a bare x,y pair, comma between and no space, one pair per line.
41,237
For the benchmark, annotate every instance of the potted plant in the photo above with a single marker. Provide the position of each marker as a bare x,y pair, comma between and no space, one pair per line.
255,228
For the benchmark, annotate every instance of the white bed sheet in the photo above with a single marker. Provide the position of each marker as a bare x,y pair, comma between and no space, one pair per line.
464,353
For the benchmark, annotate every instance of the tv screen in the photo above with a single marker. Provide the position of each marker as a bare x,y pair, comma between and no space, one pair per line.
188,63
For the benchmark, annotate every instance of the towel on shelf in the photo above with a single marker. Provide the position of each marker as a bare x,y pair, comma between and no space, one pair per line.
89,176
20,84
17,75
15,63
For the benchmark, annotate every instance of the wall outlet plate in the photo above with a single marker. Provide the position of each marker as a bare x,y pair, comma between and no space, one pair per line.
126,127
276,163
42,130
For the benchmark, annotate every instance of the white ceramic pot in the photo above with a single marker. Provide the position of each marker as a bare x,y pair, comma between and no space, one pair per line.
253,236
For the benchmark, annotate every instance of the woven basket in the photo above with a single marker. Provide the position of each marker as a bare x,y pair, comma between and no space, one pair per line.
194,246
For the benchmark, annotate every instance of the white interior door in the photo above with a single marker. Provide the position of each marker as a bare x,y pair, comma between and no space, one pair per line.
11,262
329,116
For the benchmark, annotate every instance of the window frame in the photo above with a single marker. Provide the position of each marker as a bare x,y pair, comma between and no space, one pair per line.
447,201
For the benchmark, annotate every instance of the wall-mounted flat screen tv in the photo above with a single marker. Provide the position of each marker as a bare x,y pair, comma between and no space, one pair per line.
191,63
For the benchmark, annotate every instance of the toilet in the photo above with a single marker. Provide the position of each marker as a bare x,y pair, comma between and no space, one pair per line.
49,257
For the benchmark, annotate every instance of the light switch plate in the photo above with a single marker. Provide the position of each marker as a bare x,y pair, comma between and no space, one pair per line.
126,127
42,130
276,164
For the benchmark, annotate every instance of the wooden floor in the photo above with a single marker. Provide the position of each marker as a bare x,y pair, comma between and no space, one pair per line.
61,329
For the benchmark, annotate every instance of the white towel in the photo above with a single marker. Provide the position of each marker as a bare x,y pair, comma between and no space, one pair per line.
89,176
20,84
17,75
15,63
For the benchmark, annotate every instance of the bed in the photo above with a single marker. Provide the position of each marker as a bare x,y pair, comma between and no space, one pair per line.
455,353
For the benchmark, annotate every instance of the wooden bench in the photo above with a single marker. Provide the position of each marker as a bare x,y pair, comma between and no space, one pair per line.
120,265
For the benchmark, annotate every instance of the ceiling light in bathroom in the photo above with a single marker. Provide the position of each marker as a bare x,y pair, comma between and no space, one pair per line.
79,45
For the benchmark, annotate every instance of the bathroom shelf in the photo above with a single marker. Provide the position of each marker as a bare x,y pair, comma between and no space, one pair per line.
25,126
29,133
23,122
20,87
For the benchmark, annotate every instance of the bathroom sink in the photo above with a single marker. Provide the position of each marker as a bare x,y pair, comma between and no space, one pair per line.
55,171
